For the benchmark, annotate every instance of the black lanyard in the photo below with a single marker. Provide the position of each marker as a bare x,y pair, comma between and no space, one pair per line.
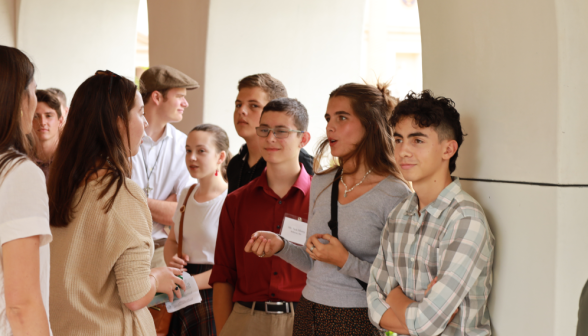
334,223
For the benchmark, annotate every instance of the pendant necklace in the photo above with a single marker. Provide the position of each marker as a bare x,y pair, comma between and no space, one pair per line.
360,182
148,171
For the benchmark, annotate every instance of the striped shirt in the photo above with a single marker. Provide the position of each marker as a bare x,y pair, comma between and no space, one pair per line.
449,239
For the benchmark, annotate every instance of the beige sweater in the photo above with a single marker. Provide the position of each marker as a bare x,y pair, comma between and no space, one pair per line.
101,261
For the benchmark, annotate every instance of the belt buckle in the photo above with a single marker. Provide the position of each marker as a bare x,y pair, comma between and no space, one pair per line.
277,304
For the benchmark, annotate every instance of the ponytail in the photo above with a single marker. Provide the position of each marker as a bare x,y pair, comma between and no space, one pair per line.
390,101
225,165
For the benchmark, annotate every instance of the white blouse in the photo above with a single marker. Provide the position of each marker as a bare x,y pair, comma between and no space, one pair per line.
24,212
200,226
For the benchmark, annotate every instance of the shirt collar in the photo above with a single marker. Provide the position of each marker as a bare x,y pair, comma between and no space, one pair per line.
167,133
443,201
302,183
243,151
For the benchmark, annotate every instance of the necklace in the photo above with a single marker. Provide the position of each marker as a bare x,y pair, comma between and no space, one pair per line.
148,171
360,182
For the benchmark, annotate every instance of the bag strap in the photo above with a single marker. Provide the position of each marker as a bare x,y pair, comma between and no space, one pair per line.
183,212
334,222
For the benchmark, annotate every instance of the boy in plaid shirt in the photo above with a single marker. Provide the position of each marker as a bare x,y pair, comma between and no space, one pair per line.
433,273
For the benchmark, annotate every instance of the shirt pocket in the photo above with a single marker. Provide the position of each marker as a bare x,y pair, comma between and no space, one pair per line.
430,263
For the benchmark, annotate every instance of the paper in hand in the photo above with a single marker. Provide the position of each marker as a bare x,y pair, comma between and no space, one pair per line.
189,297
294,230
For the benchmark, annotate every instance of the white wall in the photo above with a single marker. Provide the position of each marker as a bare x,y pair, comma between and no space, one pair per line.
7,22
68,40
572,158
518,74
572,38
311,46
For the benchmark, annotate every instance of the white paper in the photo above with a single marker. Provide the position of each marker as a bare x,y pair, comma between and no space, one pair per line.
189,297
294,230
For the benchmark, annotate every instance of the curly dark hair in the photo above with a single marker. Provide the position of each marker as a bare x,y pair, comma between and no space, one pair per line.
430,111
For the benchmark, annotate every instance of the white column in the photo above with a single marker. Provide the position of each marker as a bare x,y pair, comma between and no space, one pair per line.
518,74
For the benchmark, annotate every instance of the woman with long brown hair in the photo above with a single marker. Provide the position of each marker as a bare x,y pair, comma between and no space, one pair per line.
101,281
24,219
349,204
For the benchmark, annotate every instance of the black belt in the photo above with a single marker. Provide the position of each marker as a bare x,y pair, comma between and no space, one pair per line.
194,269
280,307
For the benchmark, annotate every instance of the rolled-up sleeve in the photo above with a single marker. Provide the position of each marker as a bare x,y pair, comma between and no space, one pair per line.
381,281
463,255
132,272
225,267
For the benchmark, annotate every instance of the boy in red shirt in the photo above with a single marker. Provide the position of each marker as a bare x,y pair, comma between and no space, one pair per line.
253,295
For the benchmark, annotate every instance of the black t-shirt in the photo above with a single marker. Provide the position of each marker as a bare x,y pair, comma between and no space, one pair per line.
239,173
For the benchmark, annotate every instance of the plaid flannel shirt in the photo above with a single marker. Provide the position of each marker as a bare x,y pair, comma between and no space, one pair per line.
449,239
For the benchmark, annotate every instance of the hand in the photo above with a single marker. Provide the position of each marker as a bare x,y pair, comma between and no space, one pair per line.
168,282
178,262
389,298
430,286
333,253
264,244
429,289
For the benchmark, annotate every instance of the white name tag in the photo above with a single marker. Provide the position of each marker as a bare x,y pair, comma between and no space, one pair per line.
294,230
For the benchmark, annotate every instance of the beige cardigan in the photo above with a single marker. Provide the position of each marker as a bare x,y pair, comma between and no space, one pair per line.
101,261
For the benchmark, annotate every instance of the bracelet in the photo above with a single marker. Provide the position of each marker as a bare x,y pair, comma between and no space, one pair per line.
156,282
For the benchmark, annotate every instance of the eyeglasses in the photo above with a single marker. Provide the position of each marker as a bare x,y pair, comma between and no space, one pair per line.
279,132
110,74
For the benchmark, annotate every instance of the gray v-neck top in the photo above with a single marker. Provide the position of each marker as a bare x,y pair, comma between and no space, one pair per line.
360,227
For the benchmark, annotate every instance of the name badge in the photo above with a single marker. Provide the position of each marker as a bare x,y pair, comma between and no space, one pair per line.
294,229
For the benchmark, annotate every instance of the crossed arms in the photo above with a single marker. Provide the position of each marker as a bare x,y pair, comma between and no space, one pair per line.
399,303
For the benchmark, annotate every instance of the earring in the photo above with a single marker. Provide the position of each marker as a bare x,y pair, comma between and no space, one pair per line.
21,114
216,173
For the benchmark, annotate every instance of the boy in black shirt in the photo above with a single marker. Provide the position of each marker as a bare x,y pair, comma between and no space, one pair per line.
255,92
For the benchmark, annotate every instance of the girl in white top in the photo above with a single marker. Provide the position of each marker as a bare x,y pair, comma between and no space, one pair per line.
24,206
207,155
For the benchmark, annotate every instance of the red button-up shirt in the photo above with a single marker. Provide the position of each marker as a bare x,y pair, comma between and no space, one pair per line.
252,208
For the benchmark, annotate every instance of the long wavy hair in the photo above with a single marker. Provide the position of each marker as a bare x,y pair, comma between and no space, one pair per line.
16,74
91,141
373,106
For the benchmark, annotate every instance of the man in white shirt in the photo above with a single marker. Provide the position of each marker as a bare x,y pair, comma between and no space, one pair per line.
159,167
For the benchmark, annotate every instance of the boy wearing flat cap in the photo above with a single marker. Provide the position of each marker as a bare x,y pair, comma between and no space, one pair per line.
159,166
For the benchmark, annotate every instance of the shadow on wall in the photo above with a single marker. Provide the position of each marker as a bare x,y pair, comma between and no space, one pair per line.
468,159
468,165
482,199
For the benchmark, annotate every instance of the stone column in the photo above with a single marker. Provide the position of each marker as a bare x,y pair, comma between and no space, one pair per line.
518,74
